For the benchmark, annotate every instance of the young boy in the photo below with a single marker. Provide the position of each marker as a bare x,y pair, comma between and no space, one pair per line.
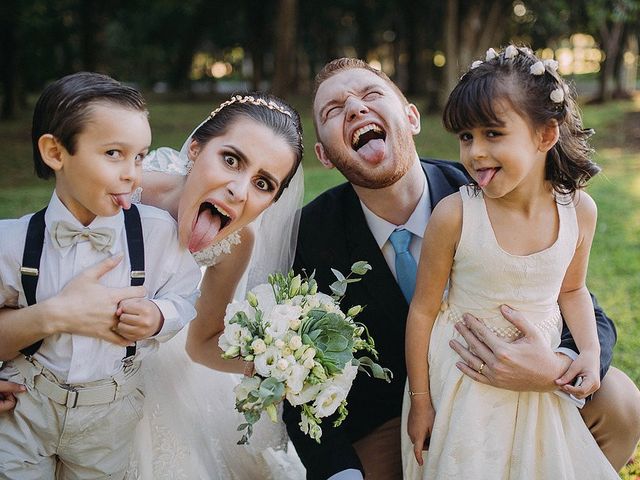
83,399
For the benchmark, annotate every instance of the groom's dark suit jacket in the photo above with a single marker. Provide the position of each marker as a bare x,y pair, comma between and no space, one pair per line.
334,234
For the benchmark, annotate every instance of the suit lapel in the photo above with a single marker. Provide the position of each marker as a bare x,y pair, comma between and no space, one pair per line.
439,187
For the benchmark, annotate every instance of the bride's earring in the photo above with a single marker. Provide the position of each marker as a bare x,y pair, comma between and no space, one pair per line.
189,166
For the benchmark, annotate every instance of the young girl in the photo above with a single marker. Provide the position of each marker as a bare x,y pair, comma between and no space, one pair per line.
519,235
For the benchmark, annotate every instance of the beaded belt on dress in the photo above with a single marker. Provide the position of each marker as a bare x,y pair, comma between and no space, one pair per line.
551,322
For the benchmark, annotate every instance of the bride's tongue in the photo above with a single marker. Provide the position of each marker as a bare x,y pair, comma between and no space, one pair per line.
206,228
373,151
484,176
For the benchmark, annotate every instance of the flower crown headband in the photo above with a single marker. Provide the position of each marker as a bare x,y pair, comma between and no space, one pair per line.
538,68
271,105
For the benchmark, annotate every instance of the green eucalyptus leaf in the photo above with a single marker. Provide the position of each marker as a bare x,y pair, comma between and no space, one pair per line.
361,267
338,274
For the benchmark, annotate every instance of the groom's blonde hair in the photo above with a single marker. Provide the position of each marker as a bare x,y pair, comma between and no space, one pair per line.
348,63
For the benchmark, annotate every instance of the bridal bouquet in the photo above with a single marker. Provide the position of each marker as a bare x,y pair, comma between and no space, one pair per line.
302,346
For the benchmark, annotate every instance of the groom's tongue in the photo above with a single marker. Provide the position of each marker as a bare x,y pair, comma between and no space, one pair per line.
373,151
206,228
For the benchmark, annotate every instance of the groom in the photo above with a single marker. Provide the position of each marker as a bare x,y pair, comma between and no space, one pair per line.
365,128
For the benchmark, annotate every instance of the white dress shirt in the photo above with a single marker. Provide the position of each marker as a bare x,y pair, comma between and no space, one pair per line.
171,282
416,224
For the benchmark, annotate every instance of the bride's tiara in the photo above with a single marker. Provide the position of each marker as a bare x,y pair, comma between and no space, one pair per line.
253,101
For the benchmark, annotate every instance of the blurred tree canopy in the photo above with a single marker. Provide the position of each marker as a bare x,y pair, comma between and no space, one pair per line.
178,45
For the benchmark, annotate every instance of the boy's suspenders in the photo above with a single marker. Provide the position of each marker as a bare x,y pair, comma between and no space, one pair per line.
33,251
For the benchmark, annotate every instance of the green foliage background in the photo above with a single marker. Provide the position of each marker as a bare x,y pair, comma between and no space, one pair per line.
614,273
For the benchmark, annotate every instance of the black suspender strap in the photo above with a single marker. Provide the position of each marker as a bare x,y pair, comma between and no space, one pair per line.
135,243
33,251
31,265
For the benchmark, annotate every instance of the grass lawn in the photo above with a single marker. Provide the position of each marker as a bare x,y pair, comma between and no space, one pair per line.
614,273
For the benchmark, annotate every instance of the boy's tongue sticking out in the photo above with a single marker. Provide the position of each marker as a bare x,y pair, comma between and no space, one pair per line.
122,199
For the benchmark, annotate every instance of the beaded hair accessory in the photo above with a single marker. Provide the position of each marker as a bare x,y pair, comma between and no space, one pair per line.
538,68
271,105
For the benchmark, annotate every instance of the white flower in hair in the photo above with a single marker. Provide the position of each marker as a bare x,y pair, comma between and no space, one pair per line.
557,95
537,68
510,52
551,64
491,54
476,64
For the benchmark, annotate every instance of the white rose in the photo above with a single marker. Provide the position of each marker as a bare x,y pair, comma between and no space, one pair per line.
258,346
279,318
282,364
345,379
264,294
557,95
235,307
308,393
279,343
329,399
295,342
234,335
265,362
510,52
294,324
246,385
476,64
296,378
537,68
551,65
309,363
491,54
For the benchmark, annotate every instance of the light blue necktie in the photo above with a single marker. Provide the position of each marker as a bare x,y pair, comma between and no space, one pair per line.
406,267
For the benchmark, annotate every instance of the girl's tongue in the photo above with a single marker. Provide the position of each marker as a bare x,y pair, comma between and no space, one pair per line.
206,228
372,151
484,176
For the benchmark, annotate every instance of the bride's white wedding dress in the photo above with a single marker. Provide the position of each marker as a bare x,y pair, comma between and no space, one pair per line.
189,427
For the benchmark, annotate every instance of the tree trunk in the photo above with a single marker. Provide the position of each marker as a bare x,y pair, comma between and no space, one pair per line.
90,33
451,48
190,39
626,69
611,39
416,44
285,27
257,40
9,14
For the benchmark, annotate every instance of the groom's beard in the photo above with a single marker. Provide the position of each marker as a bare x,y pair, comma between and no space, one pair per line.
393,168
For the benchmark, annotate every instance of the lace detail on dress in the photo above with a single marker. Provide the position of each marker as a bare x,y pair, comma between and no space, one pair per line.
209,256
136,196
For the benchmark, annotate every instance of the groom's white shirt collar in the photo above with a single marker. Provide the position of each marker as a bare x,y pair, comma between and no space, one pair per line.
381,229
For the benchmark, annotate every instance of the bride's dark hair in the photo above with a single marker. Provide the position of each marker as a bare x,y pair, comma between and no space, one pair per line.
264,108
539,94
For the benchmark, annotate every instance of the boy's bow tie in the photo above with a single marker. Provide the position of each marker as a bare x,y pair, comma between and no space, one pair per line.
65,234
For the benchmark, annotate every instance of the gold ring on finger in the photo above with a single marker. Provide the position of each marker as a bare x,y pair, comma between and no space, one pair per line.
481,367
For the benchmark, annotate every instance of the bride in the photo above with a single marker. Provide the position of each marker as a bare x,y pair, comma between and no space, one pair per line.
241,161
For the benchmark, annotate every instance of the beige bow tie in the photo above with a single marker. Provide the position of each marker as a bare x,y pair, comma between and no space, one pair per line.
65,234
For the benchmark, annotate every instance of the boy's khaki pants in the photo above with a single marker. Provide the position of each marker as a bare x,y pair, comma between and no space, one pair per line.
41,439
